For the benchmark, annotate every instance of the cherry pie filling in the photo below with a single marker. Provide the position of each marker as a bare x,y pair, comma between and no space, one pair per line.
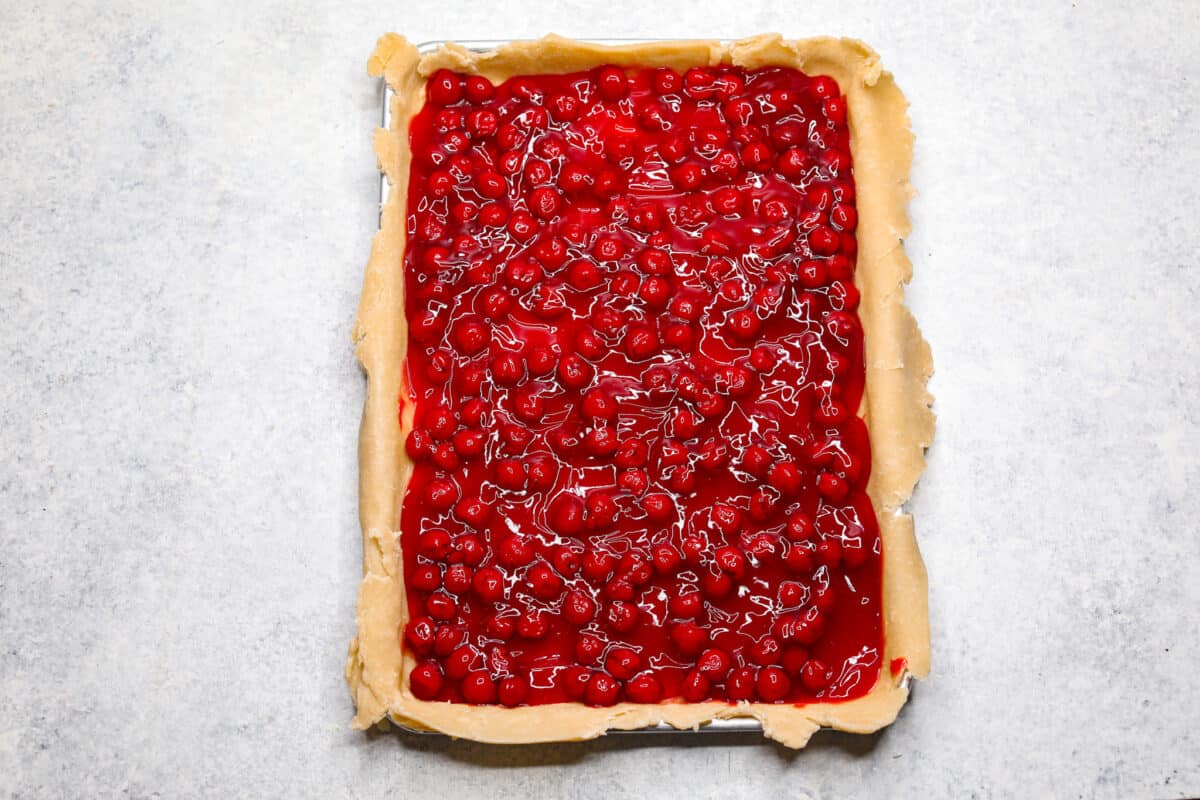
634,366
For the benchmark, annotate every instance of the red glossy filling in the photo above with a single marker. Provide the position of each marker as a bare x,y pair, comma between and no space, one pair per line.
634,364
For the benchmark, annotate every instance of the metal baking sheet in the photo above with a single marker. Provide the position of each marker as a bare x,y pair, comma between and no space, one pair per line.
735,725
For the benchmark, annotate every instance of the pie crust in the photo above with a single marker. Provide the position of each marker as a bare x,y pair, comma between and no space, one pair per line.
895,405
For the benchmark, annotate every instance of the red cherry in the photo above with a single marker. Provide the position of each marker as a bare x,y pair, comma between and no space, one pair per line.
756,460
647,217
543,582
623,663
602,510
632,453
418,445
494,215
689,637
773,684
621,616
551,252
825,598
666,81
425,680
695,687
829,553
741,683
522,273
471,547
714,663
458,663
608,249
832,487
844,217
514,551
566,515
799,560
842,325
449,638
600,440
644,688
716,585
471,337
446,457
855,555
444,88
731,561
762,358
589,344
698,82
834,109
599,406
441,606
578,608
686,603
815,675
489,584
824,86
478,688
564,107
655,291
634,481
713,455
666,559
420,634
684,424
575,179
574,372
687,176
533,625
588,648
573,680
798,628
510,474
844,295
434,544
791,594
602,690
793,163
541,471
512,691
823,241
501,626
479,89
679,337
565,560
427,577
469,443
764,504
612,83
756,157
765,652
655,262
540,360
744,324
787,478
658,507
490,184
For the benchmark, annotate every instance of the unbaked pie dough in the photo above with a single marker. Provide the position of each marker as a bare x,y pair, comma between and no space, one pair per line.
895,405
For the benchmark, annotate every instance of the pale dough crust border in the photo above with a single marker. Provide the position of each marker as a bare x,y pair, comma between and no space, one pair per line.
896,404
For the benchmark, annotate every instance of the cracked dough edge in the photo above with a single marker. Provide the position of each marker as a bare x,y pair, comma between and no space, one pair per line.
896,404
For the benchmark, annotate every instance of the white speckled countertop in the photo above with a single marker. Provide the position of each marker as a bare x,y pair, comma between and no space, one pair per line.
186,199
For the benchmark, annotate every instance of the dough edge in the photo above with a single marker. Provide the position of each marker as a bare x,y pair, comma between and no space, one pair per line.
896,404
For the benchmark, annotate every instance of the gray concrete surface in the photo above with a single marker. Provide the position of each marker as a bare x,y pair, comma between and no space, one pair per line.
186,199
